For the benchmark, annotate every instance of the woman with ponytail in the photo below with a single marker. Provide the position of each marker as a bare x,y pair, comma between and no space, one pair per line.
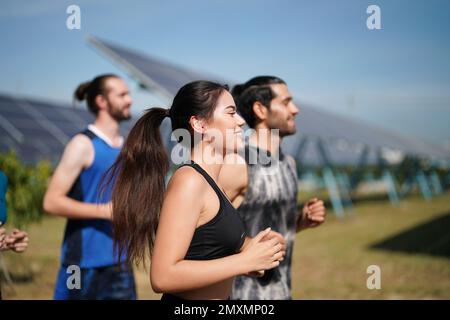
196,240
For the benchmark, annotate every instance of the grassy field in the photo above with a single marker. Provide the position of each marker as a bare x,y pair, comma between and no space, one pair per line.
409,242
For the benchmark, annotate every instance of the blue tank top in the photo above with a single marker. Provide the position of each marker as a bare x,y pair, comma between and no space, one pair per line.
3,187
89,243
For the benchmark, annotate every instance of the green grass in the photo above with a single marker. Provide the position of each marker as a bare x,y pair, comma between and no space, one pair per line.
34,272
330,262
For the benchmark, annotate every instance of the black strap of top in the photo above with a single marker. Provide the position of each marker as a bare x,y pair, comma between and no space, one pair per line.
88,133
208,178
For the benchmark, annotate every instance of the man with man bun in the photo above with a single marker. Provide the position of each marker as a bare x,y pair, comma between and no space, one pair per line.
74,193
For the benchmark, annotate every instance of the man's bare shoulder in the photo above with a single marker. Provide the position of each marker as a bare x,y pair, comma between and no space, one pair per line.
78,151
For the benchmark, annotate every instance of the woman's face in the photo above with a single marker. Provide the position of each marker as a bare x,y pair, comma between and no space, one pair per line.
225,127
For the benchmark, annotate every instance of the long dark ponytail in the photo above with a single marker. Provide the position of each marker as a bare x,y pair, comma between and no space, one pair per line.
138,190
138,174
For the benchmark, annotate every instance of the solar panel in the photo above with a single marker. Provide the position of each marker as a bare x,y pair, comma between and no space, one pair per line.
6,142
39,130
150,71
332,127
168,78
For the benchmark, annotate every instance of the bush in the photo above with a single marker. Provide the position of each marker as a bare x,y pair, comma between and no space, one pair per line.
26,188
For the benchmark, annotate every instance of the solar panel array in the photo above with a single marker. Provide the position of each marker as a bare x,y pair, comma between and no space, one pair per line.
351,136
150,71
343,136
39,130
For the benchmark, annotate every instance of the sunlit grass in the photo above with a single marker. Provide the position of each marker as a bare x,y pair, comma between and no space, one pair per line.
330,262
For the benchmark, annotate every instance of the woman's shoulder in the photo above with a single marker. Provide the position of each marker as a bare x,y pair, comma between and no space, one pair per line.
187,178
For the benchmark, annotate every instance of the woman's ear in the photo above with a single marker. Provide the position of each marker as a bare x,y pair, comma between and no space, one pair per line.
197,124
260,111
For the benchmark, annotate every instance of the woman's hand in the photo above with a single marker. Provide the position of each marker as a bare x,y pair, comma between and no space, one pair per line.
273,234
261,255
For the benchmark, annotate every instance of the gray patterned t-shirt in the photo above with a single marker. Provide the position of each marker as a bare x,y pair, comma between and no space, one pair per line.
270,201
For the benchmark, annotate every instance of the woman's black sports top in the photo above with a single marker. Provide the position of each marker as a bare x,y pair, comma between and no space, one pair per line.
223,235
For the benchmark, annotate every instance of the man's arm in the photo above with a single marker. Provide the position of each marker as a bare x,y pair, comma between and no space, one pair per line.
78,154
313,213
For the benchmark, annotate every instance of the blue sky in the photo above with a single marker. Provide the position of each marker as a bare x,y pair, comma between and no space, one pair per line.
397,77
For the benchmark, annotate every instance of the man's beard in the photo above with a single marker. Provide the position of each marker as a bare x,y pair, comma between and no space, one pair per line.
285,130
118,115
